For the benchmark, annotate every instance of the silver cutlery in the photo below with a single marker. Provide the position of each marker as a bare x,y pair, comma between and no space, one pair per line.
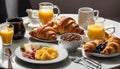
94,63
89,63
8,53
79,61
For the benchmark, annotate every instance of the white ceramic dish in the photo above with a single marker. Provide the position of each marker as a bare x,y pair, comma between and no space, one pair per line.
104,56
61,51
68,41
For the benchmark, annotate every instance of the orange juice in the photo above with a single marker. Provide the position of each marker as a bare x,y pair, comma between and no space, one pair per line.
45,15
7,35
95,31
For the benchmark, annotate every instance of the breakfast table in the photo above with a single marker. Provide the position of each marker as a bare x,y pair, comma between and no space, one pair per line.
106,62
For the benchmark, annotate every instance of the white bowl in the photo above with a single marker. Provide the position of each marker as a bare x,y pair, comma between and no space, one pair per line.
70,43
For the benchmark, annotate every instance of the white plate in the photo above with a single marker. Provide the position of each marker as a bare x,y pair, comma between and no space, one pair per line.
100,55
43,39
33,25
61,51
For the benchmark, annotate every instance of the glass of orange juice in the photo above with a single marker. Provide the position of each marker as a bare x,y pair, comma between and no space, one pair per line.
6,32
46,12
97,30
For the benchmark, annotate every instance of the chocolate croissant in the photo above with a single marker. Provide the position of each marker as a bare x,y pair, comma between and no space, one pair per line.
91,45
113,46
44,32
66,25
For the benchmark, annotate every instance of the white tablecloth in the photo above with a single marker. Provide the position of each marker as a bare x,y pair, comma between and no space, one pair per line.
66,64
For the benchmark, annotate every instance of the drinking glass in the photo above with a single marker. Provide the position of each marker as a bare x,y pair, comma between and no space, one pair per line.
19,28
97,30
46,12
6,32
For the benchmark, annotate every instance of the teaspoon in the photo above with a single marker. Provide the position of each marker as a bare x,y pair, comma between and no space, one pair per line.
8,53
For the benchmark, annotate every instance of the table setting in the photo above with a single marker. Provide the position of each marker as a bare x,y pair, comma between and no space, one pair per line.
45,39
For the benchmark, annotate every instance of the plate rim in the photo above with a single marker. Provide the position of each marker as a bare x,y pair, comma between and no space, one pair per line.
58,59
103,56
43,39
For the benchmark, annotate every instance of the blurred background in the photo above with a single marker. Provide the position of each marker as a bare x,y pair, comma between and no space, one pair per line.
108,8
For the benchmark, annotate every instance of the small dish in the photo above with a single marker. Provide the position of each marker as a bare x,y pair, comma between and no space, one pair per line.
61,51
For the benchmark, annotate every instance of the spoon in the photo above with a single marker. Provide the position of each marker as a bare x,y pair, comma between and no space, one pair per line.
8,53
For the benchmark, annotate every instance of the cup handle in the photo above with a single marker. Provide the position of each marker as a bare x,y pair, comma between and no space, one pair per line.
97,14
109,28
58,10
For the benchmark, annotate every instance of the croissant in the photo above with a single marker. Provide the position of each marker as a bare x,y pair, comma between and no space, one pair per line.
113,46
65,25
107,36
91,45
58,26
44,32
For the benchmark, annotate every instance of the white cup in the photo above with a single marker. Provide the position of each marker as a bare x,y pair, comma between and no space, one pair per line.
85,14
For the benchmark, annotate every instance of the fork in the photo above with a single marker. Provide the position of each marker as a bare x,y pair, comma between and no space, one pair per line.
89,61
94,63
78,60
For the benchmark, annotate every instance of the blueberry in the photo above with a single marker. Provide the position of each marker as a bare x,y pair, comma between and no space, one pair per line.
100,47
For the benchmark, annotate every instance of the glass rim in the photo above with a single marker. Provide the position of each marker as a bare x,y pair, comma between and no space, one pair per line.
46,4
6,24
86,9
12,19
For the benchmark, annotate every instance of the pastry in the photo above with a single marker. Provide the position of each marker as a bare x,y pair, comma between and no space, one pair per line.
107,36
91,45
65,25
58,26
113,46
44,32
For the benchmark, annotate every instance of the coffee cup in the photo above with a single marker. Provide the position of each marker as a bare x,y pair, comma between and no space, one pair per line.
86,14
